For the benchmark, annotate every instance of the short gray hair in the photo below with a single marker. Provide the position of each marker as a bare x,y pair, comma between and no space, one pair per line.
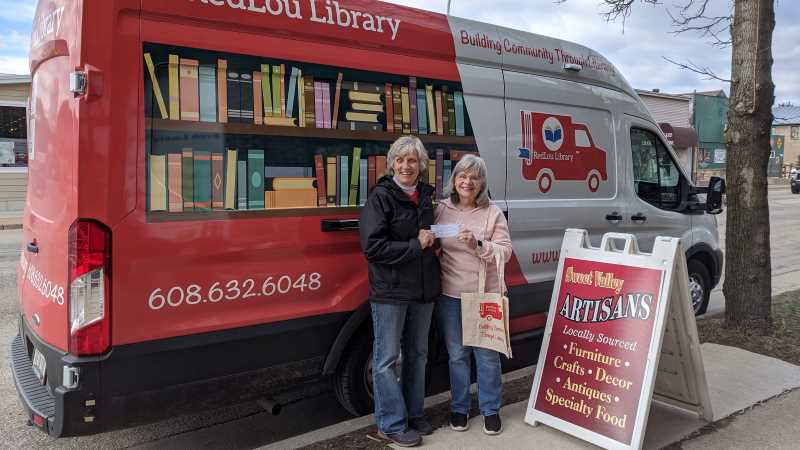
469,163
401,147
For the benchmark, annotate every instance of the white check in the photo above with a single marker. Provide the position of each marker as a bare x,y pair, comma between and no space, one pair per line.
445,230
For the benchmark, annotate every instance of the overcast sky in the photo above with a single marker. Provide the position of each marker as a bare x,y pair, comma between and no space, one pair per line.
637,51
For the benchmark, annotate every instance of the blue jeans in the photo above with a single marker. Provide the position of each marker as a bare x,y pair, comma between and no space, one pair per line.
399,397
487,361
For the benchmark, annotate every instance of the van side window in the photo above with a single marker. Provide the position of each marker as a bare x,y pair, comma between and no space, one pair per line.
655,175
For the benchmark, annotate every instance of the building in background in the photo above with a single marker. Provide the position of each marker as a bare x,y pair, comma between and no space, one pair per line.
673,113
710,118
14,91
786,131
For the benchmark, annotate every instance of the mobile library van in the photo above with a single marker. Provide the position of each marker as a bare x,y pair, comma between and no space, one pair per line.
197,166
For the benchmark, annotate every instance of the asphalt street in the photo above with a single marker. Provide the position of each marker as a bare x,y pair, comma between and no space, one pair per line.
248,425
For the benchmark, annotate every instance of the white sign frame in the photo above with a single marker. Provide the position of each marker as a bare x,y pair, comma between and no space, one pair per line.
668,258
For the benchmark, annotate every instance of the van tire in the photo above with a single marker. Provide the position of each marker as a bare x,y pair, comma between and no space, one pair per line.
795,189
350,383
699,286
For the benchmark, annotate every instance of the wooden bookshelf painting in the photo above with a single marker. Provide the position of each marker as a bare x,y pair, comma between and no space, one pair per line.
222,111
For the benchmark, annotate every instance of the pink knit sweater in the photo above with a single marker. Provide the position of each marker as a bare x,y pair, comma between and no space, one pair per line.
460,264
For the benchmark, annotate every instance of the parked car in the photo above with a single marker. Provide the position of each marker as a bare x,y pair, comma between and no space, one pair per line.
795,182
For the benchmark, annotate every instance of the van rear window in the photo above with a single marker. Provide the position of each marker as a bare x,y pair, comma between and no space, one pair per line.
228,134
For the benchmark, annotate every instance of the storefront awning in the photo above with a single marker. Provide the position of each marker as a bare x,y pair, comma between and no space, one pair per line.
679,137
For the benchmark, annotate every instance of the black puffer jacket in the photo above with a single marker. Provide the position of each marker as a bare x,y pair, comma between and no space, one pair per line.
399,270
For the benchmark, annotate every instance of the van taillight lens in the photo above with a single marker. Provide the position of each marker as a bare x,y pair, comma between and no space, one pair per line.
89,288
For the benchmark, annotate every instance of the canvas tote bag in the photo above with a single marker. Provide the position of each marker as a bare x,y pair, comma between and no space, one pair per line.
484,316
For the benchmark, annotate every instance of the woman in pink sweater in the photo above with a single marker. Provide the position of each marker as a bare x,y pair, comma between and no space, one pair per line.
483,229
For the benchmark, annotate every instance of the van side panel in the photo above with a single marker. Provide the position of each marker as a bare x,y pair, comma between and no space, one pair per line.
51,203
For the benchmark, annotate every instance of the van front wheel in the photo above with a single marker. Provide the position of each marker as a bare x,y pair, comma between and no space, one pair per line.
699,286
353,380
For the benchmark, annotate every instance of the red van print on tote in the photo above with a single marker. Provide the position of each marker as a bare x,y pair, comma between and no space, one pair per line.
554,148
491,311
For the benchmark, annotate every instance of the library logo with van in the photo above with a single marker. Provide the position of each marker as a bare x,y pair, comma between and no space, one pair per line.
554,148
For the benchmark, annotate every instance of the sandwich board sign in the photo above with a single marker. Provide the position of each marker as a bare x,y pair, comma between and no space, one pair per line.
620,333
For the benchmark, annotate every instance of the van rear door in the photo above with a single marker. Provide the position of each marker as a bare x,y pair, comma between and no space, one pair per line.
50,207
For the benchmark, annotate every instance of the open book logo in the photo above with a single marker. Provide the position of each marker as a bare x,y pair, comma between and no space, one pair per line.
552,134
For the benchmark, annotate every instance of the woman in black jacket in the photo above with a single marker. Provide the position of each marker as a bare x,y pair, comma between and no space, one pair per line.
404,282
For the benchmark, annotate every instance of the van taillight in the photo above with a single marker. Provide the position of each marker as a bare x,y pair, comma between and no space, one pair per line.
89,288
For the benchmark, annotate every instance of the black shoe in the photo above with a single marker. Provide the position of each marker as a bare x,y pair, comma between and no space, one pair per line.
408,438
492,424
420,425
459,422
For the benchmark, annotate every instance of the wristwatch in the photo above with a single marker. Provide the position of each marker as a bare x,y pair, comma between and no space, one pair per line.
480,244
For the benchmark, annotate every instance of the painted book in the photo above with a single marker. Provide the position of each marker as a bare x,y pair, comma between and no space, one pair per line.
217,181
190,90
344,180
429,101
319,167
280,121
246,87
283,90
162,107
439,118
439,173
276,91
362,181
355,176
432,172
202,181
187,175
458,98
292,198
370,173
368,107
230,178
362,86
422,112
266,90
325,89
158,183
336,100
366,97
310,101
397,99
292,93
301,100
174,182
255,179
445,117
258,99
173,69
359,126
287,171
234,97
406,105
361,116
389,109
283,183
330,181
446,172
318,114
451,114
222,90
380,167
208,93
412,97
338,180
241,178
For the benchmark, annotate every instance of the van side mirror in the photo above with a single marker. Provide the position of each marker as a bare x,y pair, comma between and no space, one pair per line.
716,187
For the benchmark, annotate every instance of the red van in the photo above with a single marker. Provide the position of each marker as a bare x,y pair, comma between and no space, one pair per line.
196,168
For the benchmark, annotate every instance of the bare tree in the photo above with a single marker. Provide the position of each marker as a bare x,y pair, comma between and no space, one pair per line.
748,31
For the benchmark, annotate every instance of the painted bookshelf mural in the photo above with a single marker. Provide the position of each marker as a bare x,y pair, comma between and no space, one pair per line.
228,132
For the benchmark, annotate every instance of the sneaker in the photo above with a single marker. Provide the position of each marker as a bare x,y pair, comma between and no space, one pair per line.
492,424
459,422
408,438
420,425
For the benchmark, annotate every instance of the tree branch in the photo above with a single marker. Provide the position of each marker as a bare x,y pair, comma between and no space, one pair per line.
702,70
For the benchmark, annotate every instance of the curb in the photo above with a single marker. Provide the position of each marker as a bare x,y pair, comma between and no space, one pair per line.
358,423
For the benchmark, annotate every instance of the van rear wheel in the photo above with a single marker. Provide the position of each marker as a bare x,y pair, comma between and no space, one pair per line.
699,286
353,379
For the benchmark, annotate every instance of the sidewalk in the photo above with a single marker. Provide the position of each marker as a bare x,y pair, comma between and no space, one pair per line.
10,220
737,380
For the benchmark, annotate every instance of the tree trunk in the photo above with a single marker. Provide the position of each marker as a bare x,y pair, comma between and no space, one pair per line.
748,271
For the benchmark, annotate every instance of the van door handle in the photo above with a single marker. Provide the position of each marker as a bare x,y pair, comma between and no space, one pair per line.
639,217
329,225
614,217
32,247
